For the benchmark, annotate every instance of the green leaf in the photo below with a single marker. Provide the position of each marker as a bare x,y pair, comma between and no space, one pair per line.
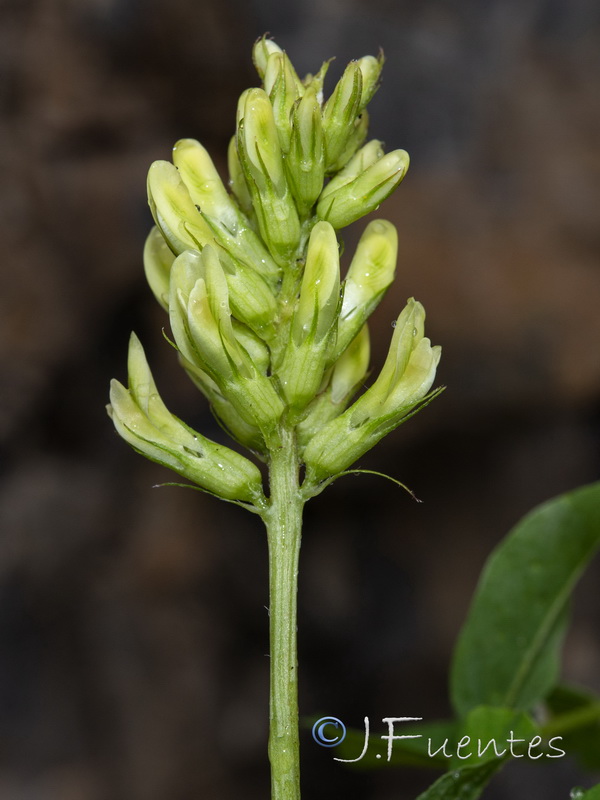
575,716
405,752
508,651
462,784
591,794
491,733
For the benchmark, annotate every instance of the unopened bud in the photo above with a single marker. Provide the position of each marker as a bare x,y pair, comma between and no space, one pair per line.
306,160
173,209
356,138
404,382
261,51
409,369
243,432
320,290
370,273
143,420
253,346
204,183
365,192
158,259
201,318
283,87
350,369
250,295
202,327
227,224
262,162
340,112
312,323
361,161
258,132
344,378
370,68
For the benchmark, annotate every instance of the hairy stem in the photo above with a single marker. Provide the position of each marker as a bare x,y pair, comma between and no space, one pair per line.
284,526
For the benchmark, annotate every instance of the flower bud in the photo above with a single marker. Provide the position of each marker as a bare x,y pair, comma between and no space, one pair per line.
320,289
261,51
261,159
361,161
228,225
370,68
158,259
370,273
409,369
365,192
356,138
340,112
250,296
253,346
245,247
283,87
200,315
306,159
304,360
345,377
243,432
401,387
173,210
204,182
203,330
142,419
351,368
258,132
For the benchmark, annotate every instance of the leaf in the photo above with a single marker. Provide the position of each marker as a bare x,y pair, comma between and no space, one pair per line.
405,752
508,651
462,784
490,733
591,794
470,777
576,718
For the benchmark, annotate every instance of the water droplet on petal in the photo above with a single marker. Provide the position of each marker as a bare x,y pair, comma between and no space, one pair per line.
394,323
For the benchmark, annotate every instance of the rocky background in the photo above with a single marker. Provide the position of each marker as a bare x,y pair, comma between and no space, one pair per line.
133,628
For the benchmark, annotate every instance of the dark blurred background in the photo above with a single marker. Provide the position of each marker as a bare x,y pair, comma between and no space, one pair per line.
133,628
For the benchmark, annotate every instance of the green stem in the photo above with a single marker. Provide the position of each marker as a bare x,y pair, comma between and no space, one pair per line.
572,720
284,527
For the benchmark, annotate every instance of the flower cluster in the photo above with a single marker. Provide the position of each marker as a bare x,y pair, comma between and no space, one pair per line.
249,274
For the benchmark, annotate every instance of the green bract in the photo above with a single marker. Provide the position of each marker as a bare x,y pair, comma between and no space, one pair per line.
249,271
